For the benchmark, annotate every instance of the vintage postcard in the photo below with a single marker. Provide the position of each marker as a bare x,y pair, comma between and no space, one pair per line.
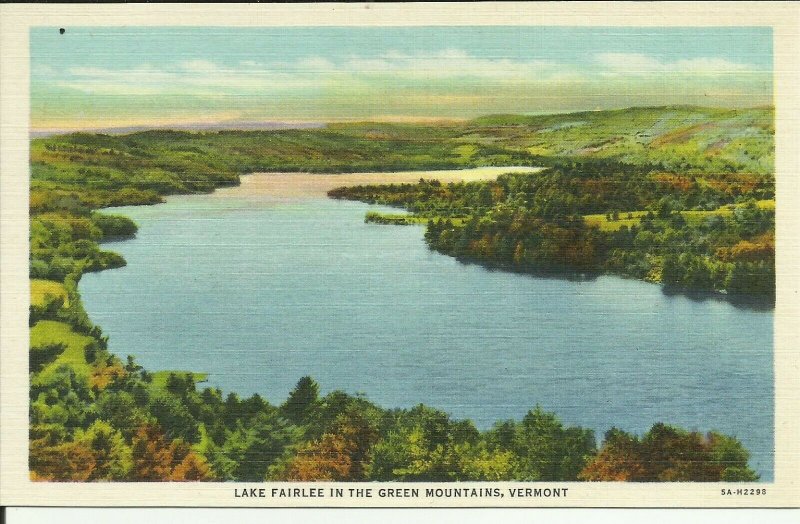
446,255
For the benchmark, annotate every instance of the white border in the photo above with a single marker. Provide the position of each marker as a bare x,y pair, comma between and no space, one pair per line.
15,22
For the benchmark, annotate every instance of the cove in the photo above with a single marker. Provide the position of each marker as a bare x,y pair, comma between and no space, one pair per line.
261,284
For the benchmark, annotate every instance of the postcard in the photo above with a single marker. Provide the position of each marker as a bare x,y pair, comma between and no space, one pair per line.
400,255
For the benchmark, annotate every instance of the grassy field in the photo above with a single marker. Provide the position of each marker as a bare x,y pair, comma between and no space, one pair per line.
160,377
399,219
51,332
625,219
633,218
40,289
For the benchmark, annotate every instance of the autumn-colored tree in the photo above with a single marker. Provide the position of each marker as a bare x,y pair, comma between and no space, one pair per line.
619,459
326,459
71,461
748,251
672,455
193,467
152,454
668,454
341,454
360,434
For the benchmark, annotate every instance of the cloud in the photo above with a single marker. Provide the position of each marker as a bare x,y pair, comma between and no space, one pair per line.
202,77
193,77
199,66
640,64
713,65
144,71
450,63
313,64
448,69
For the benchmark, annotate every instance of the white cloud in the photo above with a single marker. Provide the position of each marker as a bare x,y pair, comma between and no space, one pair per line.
712,65
201,77
449,63
199,66
448,72
313,64
636,63
142,73
194,77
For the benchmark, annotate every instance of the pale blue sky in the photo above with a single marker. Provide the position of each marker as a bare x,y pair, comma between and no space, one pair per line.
124,76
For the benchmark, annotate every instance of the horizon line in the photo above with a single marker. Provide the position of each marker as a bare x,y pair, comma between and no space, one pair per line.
278,123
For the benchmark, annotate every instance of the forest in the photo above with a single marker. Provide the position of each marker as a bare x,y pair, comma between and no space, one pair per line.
691,237
678,195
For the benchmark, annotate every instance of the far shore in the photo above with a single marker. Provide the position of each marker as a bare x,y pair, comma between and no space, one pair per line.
295,185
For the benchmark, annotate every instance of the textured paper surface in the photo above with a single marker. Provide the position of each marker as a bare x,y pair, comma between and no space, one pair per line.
17,489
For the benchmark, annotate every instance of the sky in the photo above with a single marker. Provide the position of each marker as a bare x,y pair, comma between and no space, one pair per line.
90,77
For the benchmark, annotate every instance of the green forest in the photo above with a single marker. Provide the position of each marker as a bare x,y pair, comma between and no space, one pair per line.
689,237
682,196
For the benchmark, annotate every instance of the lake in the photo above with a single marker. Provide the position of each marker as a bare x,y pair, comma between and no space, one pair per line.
264,283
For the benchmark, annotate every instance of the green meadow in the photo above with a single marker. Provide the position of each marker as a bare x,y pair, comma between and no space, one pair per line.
617,220
48,332
42,290
160,378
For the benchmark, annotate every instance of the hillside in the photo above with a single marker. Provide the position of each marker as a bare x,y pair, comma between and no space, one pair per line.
678,137
682,139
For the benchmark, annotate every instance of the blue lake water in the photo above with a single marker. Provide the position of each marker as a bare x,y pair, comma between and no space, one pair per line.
259,290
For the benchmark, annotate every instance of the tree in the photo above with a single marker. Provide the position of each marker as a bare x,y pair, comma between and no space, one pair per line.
752,279
423,444
669,454
112,456
174,417
672,272
70,461
153,455
545,450
619,459
301,400
328,458
193,467
254,446
120,410
478,462
729,454
40,356
406,455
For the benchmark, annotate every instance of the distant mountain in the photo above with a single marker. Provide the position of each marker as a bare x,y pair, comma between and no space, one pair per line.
201,126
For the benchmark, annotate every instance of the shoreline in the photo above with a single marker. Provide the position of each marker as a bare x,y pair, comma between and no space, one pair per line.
282,184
